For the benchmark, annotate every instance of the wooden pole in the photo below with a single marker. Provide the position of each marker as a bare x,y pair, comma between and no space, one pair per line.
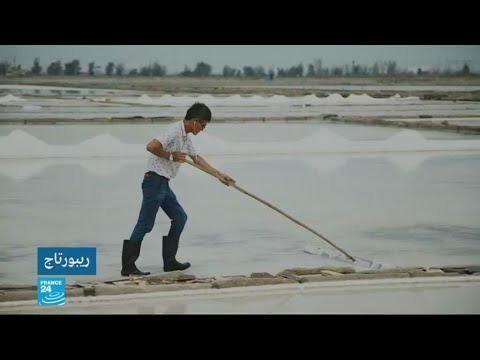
273,207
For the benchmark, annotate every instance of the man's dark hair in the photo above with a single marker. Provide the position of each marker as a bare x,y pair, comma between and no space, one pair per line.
199,111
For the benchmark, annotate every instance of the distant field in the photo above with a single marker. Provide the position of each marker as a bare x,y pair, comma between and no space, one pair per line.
450,103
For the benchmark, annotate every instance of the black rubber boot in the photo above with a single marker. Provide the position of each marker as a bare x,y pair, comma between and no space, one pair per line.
130,254
169,250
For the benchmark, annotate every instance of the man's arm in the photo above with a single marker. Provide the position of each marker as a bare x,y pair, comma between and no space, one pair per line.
156,148
224,178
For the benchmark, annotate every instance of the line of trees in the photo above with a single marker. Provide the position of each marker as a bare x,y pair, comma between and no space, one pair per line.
203,69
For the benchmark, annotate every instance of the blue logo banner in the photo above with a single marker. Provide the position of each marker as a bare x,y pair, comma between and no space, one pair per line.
51,291
67,261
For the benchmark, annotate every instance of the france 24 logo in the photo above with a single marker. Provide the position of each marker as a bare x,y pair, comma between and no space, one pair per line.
51,291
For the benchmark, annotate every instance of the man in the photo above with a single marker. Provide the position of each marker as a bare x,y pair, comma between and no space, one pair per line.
168,151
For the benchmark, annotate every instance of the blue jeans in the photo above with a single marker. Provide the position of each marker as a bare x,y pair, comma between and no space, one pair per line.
157,193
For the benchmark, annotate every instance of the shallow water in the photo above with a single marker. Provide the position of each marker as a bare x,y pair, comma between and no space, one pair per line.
400,207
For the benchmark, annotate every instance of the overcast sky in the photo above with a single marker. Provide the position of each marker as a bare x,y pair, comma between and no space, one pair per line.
175,57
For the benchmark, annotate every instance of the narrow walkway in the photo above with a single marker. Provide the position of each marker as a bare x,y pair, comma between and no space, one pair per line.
298,290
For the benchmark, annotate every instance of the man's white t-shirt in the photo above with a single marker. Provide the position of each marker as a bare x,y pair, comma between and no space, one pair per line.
174,138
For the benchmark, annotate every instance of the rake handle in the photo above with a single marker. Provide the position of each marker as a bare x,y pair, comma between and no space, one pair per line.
272,207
